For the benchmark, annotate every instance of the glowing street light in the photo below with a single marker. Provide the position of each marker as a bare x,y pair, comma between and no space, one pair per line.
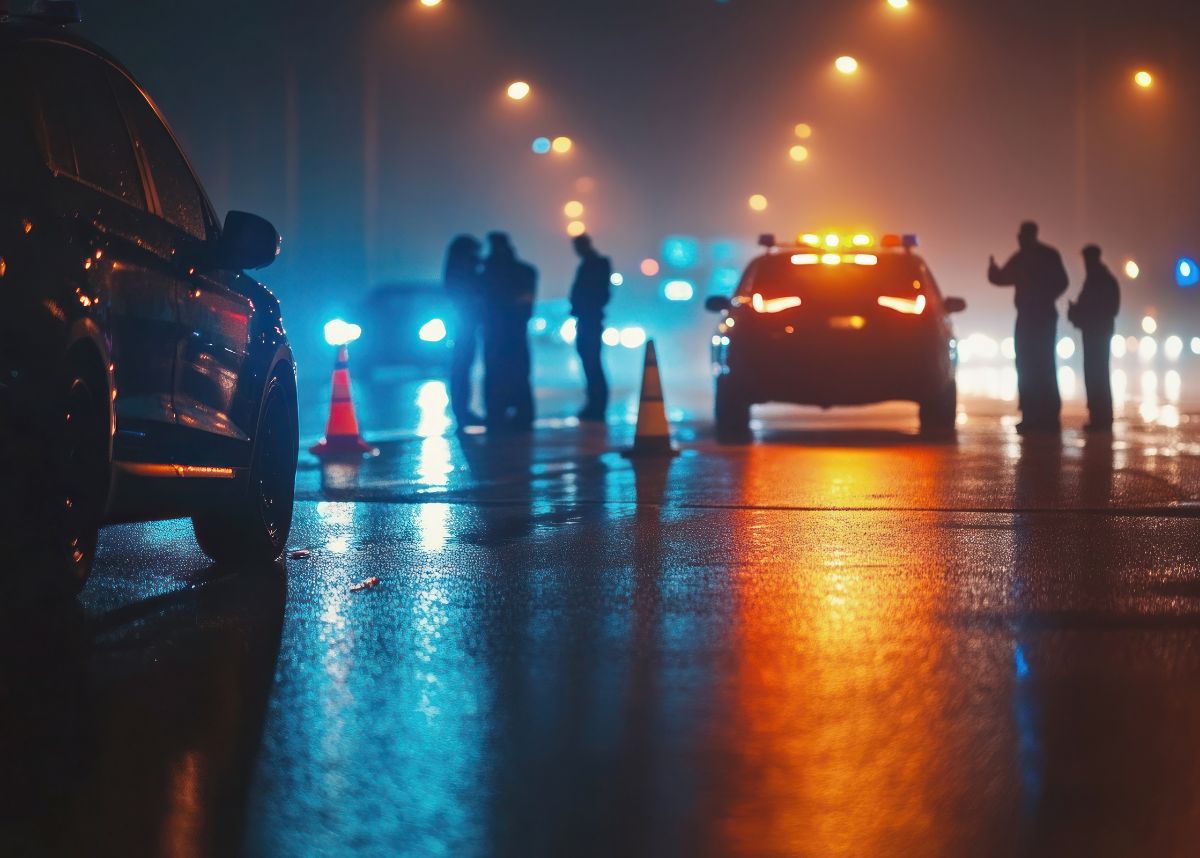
518,90
846,65
804,131
1144,79
758,203
898,4
576,228
573,209
429,4
798,153
1132,270
1149,325
562,145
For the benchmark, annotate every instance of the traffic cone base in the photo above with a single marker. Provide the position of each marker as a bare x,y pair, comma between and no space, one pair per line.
653,434
342,439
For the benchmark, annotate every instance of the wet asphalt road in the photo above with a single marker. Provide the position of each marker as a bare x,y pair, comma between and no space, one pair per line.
840,640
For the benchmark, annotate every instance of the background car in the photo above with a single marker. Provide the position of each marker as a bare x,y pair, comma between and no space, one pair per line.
835,321
142,374
405,325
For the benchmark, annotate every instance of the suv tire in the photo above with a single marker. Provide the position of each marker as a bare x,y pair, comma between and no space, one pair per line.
256,527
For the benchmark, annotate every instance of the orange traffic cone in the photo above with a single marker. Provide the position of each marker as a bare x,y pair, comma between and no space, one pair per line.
653,435
342,440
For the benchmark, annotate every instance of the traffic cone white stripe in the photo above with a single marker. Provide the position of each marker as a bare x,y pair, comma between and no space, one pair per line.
653,433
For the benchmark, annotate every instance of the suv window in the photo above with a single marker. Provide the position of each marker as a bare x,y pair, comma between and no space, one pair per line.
84,133
178,193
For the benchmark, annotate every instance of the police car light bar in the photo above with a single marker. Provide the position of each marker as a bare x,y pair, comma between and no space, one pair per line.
892,240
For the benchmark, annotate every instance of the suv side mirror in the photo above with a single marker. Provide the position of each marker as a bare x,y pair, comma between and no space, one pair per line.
954,305
247,241
717,304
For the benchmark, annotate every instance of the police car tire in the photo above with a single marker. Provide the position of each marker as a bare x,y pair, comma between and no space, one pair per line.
255,530
732,412
939,415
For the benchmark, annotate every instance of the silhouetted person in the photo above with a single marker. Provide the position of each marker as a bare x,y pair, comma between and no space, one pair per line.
589,295
1037,272
510,286
1095,315
464,285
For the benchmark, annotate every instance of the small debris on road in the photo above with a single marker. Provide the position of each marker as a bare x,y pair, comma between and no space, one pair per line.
365,585
299,554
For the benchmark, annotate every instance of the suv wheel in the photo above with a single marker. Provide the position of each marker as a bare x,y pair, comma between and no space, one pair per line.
732,412
938,415
255,529
77,486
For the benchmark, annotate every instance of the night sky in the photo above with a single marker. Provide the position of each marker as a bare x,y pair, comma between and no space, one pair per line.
372,132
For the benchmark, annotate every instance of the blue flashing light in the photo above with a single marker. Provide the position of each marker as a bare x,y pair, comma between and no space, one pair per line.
1187,272
541,145
680,251
724,250
725,279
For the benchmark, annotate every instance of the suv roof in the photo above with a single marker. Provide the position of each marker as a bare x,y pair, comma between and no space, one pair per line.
15,30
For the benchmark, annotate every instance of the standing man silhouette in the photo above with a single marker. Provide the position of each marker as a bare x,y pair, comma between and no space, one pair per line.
1036,271
510,286
464,286
590,294
1095,315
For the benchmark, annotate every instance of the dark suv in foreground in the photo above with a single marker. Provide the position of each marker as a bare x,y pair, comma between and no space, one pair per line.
835,321
143,375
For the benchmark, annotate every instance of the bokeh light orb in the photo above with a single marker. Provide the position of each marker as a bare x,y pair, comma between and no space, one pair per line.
576,227
649,267
1149,325
1132,269
431,3
804,130
898,4
573,209
541,145
518,90
798,153
846,65
562,145
758,203
1144,79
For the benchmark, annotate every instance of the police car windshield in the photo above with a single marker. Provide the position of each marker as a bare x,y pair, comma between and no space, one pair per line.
802,274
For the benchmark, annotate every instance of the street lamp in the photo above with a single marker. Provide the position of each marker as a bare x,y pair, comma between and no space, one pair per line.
573,209
1132,270
429,4
804,130
758,203
846,65
518,90
1144,79
798,153
898,4
562,145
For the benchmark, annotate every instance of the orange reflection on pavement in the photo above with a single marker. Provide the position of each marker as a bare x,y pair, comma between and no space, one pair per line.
836,726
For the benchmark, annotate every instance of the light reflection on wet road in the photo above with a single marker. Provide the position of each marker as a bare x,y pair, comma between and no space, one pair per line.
838,641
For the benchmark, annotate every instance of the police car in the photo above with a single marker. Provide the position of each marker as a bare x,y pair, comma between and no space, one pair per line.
835,320
143,374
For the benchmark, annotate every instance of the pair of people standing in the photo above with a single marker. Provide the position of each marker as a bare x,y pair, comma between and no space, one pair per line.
493,299
1036,271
